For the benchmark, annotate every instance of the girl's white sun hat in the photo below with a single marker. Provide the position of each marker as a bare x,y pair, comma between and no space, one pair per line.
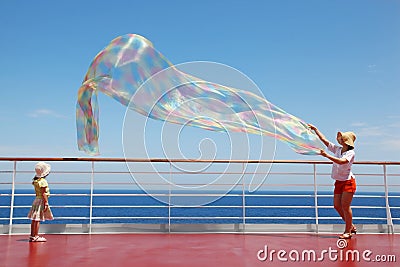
42,169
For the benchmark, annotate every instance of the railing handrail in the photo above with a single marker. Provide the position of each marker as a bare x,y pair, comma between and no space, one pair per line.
314,194
165,160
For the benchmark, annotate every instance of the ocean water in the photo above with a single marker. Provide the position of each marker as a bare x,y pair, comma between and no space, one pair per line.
226,209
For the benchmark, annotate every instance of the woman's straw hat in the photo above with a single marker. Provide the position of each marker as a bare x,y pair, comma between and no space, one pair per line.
348,138
42,169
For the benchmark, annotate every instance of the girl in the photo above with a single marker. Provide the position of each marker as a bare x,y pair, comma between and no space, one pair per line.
40,210
345,185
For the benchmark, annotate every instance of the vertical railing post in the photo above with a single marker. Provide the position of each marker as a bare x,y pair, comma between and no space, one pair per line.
243,198
91,198
169,197
389,220
316,198
12,198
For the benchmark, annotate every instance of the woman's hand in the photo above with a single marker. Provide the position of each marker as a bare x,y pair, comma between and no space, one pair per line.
312,127
319,134
323,153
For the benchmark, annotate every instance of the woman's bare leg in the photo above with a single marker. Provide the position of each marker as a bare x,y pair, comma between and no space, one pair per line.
346,209
337,204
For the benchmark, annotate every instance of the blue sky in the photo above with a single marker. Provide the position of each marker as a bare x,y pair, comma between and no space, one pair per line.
335,64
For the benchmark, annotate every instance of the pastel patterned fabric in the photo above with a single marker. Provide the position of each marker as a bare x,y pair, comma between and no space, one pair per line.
134,73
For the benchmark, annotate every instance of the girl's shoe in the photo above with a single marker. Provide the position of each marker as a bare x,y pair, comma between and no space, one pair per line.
353,229
37,239
345,236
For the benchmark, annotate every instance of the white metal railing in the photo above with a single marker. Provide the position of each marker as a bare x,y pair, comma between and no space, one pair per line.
90,175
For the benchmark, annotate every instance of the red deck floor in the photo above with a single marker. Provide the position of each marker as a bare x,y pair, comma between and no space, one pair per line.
199,250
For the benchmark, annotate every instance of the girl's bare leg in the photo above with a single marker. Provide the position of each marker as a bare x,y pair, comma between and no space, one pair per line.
35,228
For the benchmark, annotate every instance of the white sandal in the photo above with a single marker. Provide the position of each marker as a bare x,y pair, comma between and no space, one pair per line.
37,239
345,236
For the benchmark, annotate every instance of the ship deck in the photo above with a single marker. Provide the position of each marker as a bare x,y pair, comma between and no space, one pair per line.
178,249
169,238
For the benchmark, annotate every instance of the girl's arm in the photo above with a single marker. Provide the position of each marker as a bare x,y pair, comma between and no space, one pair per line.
319,134
332,158
44,196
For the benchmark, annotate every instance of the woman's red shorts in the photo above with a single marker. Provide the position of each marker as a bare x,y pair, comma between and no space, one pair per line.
345,186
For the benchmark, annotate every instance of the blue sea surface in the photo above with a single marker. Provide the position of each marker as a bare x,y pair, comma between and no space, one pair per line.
261,207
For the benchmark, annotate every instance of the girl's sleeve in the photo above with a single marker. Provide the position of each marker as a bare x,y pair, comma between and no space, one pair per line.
43,183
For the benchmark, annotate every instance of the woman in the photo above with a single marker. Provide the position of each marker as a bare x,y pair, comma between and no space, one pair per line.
345,184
